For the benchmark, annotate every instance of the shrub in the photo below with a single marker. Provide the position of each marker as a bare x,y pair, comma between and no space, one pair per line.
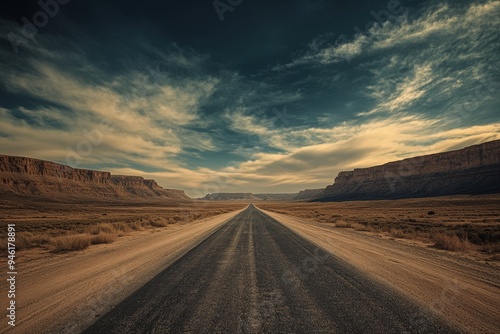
123,227
491,248
137,226
362,227
397,233
103,238
102,228
342,224
28,240
431,213
450,242
157,223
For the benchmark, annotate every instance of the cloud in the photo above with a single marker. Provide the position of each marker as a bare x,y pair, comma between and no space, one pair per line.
314,156
442,22
404,93
84,116
241,122
420,83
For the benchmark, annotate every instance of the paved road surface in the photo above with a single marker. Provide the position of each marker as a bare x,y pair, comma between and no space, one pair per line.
254,275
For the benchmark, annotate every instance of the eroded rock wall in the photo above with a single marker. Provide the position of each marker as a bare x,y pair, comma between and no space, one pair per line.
472,170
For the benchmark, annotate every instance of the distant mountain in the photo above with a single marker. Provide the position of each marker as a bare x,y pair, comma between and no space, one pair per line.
308,194
248,196
229,196
276,197
33,177
471,170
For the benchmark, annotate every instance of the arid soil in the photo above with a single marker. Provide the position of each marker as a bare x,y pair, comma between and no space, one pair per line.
464,291
58,226
64,293
471,224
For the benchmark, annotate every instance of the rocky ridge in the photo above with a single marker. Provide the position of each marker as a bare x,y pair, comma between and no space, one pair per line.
28,176
308,194
248,196
471,170
229,196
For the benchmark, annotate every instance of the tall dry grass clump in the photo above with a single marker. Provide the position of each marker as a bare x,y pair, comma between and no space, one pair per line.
26,240
70,242
102,228
103,238
342,224
450,242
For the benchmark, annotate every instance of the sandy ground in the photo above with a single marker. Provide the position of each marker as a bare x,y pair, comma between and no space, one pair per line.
65,293
464,291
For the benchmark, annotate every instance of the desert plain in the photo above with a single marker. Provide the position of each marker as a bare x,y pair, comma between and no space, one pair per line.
78,261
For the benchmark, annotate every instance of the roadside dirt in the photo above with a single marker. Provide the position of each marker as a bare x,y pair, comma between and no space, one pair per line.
465,292
65,293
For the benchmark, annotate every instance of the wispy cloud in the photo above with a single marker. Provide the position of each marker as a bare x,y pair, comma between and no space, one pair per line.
438,23
401,95
136,116
354,146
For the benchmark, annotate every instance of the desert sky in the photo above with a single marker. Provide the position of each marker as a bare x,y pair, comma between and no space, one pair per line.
246,95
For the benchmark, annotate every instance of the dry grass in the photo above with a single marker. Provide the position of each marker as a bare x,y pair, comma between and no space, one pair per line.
70,242
103,238
69,227
102,228
450,242
158,223
342,224
28,240
491,249
397,233
361,227
473,220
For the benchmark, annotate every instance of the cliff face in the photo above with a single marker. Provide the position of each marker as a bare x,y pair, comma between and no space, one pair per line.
308,194
472,170
276,197
27,176
35,167
137,185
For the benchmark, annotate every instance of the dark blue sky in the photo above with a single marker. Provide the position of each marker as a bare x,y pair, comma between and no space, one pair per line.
276,97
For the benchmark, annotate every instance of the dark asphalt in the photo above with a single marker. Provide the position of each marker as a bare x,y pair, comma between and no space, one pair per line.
254,275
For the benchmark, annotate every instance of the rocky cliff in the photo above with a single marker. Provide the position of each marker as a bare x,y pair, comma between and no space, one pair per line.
308,194
472,170
276,197
27,176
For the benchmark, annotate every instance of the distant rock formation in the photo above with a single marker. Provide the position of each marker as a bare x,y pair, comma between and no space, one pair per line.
308,194
276,197
27,176
248,196
472,170
229,196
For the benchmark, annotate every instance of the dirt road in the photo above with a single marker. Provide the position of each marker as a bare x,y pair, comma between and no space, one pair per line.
254,275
